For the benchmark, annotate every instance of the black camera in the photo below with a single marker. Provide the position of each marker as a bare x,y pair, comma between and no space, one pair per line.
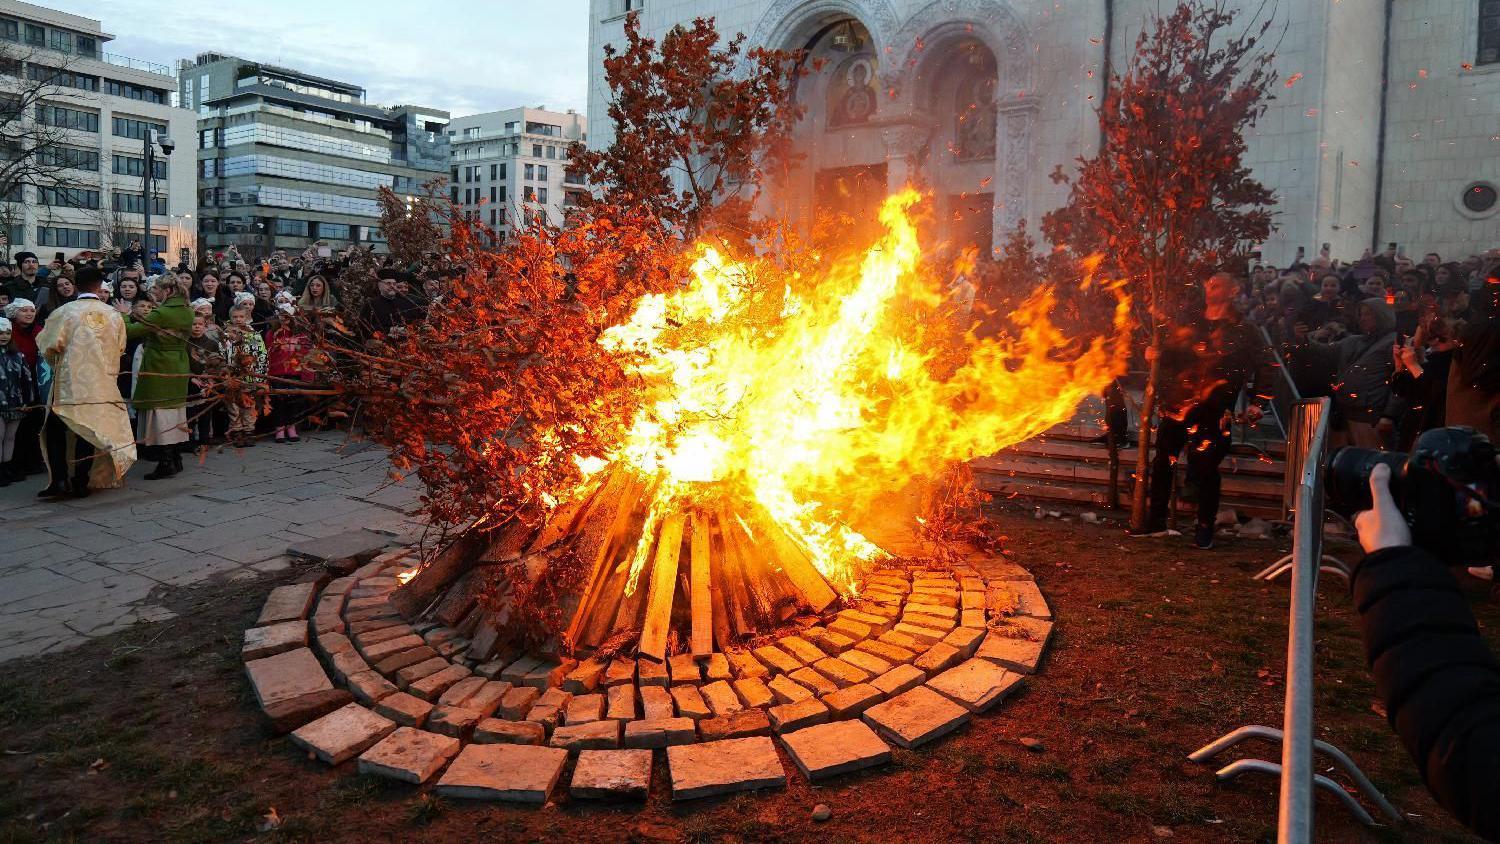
1447,489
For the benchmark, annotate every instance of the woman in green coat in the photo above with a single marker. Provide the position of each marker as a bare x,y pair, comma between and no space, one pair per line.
160,397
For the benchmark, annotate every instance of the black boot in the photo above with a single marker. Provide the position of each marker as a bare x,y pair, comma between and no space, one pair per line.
5,473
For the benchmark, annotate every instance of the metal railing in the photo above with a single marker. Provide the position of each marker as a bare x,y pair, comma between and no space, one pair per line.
1307,443
135,64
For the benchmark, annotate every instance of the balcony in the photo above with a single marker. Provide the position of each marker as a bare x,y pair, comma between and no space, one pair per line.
136,64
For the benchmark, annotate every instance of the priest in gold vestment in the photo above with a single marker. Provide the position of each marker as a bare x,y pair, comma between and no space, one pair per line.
82,342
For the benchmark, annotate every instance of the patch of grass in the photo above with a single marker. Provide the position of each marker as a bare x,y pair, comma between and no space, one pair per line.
1111,768
1053,771
426,809
351,791
1174,807
1122,802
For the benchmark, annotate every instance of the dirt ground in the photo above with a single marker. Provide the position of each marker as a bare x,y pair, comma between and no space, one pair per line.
153,734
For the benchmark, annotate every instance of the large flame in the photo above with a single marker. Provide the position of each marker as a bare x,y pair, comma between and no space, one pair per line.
803,398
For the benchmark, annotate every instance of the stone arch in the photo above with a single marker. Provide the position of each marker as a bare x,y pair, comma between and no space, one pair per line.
787,24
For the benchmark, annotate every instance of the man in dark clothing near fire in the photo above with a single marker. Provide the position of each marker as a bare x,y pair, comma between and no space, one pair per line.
1206,360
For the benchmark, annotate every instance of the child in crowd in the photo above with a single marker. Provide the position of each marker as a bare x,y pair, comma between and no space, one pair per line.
246,361
289,347
17,393
205,360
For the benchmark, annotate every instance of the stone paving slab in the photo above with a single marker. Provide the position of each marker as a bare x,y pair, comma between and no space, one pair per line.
595,735
499,731
409,755
916,717
611,774
976,684
724,767
352,544
343,734
838,747
518,773
274,639
286,675
287,603
660,732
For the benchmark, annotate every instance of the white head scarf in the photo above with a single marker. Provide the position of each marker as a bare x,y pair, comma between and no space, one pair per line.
16,305
244,297
4,324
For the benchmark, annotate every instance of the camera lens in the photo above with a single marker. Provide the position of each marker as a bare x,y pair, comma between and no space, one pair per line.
1348,480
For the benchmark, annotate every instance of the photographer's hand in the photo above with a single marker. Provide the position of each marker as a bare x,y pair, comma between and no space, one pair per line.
1383,526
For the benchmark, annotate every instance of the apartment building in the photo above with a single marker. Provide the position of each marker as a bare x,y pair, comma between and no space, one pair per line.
509,167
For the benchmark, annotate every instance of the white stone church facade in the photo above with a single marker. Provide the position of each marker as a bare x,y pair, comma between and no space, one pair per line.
1388,131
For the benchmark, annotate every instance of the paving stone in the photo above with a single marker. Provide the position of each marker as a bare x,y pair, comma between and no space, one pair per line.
426,668
976,684
548,715
586,677
1029,600
620,703
287,715
744,664
721,698
925,635
517,671
516,773
455,721
404,709
724,767
800,648
343,733
620,670
901,640
395,662
939,657
787,690
595,735
517,701
611,774
795,716
899,679
459,692
656,703
889,653
971,601
331,643
965,639
490,670
585,708
851,701
549,673
366,638
866,662
839,747
369,687
879,595
929,615
286,675
261,642
855,630
291,602
877,623
660,732
684,669
555,697
915,717
409,755
488,698
1018,655
940,597
377,651
717,667
753,692
748,722
690,702
778,660
649,672
498,731
432,686
354,544
842,673
815,681
971,618
346,664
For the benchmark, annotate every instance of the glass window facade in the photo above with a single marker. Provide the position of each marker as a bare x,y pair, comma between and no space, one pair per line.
308,171
261,133
334,231
127,127
65,237
134,92
62,197
67,118
134,165
64,78
75,158
293,228
279,197
135,203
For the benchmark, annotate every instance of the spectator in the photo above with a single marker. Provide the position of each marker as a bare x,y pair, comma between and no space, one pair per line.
1421,378
264,308
63,291
236,284
317,298
205,360
160,396
24,331
1474,380
208,287
1364,405
18,394
246,361
288,348
26,284
384,312
127,291
86,415
130,361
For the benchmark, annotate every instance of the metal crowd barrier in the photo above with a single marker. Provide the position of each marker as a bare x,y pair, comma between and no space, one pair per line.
1307,445
1307,417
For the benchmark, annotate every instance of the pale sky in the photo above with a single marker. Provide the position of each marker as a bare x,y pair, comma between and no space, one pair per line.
465,57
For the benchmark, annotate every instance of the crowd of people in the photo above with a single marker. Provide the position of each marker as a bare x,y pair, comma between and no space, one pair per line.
102,357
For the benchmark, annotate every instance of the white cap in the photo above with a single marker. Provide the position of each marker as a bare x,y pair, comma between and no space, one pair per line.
16,305
4,324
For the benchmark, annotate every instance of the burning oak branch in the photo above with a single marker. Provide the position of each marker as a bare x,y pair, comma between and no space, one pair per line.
670,444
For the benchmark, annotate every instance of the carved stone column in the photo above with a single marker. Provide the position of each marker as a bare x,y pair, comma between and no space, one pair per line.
907,145
1015,124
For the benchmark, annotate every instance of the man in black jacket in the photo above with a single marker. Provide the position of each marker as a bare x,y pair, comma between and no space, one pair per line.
1438,679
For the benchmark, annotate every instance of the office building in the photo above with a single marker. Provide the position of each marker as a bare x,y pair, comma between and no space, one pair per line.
287,159
78,186
511,166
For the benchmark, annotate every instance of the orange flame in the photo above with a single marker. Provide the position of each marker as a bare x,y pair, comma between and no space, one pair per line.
808,397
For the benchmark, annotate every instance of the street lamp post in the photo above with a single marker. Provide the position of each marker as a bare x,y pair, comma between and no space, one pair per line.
150,141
